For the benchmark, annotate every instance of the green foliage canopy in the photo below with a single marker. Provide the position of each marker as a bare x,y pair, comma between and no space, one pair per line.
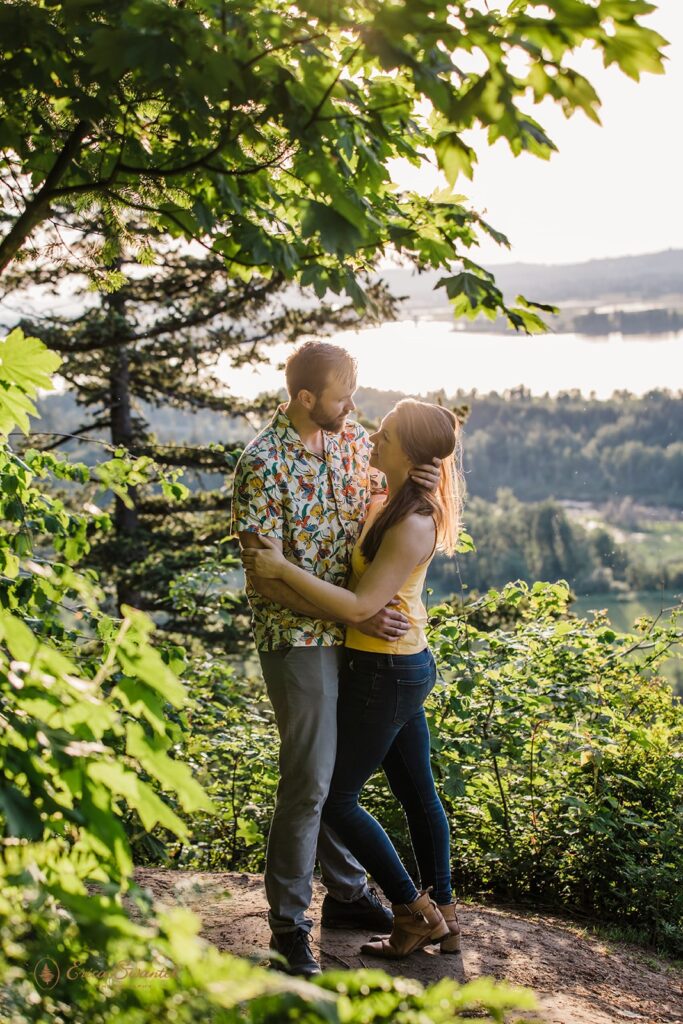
559,751
266,131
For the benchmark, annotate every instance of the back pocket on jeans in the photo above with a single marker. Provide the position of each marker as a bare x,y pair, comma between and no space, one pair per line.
416,675
410,697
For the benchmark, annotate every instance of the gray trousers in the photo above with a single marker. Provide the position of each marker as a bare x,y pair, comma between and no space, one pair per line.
302,684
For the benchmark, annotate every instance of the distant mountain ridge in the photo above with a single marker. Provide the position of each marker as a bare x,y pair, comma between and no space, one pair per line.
651,277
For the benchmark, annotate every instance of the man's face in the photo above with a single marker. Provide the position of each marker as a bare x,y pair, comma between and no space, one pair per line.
333,405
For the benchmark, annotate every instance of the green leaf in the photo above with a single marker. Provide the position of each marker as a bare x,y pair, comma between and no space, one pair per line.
104,832
138,794
454,156
465,543
337,234
635,49
472,294
173,775
27,363
146,664
139,700
248,831
21,642
15,408
173,490
21,814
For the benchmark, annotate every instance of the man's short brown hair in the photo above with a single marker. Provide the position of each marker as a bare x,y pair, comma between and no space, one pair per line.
314,364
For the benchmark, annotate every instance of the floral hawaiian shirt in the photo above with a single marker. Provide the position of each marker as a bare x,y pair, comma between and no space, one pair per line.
314,504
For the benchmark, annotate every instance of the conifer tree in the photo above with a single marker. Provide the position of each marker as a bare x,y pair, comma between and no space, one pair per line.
155,340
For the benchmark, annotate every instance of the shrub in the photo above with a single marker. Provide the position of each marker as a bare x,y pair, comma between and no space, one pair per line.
556,746
560,752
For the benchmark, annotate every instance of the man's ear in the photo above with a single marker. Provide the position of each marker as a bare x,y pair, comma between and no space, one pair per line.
307,399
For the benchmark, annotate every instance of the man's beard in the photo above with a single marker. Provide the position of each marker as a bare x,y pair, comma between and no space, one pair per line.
330,426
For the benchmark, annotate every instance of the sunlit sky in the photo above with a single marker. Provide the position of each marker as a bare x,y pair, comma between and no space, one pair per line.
610,191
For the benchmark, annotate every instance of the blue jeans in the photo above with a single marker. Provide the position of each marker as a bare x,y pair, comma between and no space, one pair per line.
381,721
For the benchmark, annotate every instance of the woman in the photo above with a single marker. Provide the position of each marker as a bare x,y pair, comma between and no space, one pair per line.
384,684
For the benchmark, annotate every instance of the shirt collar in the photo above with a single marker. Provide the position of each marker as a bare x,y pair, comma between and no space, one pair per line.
287,433
284,428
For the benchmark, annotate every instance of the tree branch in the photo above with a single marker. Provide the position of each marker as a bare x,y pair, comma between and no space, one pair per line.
63,438
37,207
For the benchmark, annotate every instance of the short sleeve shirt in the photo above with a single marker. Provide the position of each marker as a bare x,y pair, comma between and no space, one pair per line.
315,505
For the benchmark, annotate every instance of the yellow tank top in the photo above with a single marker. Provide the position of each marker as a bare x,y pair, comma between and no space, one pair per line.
410,603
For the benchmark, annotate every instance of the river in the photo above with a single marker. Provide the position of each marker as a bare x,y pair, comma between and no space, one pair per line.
418,356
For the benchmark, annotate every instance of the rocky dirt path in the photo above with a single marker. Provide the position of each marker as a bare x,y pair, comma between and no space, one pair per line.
578,979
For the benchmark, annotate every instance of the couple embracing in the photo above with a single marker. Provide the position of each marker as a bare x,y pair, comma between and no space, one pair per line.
335,565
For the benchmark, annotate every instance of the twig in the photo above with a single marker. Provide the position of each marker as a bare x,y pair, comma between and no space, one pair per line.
339,959
233,796
131,450
532,791
499,781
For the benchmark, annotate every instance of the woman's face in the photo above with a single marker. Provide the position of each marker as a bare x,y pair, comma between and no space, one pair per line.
387,453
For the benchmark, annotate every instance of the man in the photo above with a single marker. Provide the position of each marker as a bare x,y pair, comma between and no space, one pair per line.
304,482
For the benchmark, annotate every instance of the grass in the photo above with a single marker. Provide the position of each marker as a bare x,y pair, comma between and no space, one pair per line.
659,543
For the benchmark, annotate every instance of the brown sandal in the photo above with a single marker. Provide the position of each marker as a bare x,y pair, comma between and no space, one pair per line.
416,925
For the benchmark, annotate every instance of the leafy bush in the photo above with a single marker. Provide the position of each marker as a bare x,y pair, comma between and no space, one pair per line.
232,746
557,748
560,752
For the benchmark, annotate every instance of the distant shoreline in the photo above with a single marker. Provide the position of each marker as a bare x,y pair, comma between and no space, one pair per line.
664,322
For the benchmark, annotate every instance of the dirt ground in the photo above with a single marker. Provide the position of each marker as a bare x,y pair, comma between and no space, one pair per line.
578,979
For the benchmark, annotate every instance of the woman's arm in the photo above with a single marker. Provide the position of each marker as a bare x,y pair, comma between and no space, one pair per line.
274,589
402,548
387,624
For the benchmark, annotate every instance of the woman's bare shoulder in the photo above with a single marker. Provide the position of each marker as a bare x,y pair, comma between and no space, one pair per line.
415,527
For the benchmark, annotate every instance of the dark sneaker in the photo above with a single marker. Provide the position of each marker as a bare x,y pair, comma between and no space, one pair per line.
295,948
367,913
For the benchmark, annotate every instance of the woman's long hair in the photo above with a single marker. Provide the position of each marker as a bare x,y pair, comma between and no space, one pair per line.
424,431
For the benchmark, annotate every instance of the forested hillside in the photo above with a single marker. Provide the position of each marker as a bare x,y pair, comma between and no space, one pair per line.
651,276
526,459
628,294
565,447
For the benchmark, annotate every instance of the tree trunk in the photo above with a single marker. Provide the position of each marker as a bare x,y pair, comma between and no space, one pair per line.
126,520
